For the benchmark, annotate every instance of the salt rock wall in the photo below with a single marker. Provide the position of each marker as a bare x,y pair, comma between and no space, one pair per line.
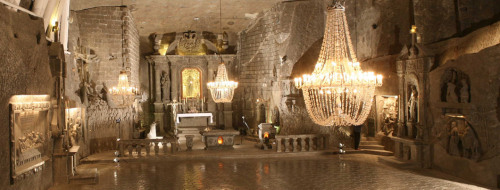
472,153
24,59
110,34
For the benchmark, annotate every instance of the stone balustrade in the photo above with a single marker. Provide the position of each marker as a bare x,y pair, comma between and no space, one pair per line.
301,143
136,146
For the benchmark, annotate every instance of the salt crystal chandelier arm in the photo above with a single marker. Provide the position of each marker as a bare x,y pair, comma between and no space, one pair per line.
222,89
338,92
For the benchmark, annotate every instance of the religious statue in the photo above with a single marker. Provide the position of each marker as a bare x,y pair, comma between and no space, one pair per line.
464,92
451,95
152,131
190,87
106,96
165,86
174,105
454,140
412,105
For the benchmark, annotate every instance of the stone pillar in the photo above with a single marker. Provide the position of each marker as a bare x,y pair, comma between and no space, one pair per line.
151,78
303,144
278,144
175,84
157,83
286,144
294,142
228,116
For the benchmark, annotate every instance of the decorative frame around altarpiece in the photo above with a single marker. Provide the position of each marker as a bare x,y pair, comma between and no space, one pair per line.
28,156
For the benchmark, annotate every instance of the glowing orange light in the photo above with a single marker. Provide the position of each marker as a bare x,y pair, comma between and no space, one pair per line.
266,135
220,140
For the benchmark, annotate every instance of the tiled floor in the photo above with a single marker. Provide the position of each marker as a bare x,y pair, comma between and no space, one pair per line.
318,172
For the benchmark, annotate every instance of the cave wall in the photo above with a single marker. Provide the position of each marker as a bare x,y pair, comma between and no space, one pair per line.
110,36
25,71
478,153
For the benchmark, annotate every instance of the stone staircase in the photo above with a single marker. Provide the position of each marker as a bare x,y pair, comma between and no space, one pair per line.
369,145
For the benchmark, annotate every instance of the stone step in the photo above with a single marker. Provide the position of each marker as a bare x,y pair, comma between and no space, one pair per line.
368,139
85,176
369,143
376,152
372,147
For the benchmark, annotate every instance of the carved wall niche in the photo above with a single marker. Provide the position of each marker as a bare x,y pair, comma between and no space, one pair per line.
389,114
29,124
75,125
455,86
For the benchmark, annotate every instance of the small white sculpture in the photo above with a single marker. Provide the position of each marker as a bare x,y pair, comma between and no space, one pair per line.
152,131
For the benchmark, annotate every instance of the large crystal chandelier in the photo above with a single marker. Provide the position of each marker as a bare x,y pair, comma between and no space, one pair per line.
123,94
222,89
338,92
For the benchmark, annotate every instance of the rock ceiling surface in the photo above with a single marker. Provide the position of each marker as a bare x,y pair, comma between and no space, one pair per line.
163,16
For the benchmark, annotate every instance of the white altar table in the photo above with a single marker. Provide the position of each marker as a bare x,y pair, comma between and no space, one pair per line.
179,115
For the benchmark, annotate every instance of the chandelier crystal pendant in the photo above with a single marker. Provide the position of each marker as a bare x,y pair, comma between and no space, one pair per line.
338,92
123,94
222,89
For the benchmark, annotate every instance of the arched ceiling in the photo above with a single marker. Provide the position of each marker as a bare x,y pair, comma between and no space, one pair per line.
164,16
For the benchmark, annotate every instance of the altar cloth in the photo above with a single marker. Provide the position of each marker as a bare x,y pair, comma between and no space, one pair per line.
179,115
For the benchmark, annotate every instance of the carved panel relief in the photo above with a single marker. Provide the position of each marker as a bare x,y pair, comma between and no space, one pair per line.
389,114
28,133
462,140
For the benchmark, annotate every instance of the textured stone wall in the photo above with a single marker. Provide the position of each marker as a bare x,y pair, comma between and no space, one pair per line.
268,50
483,70
25,71
112,36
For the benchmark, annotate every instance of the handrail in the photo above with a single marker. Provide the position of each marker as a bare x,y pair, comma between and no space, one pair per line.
20,8
136,145
301,143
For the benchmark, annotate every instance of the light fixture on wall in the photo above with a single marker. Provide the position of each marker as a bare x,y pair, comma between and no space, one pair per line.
338,92
222,89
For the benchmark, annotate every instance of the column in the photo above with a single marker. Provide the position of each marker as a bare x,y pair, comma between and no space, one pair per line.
157,83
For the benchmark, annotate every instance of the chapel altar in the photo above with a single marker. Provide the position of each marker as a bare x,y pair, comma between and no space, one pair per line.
183,78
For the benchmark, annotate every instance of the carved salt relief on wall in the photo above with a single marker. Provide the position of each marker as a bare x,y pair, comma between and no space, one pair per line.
28,134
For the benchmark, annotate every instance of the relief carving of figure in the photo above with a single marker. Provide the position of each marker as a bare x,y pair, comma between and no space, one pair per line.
413,105
454,140
451,95
165,86
464,92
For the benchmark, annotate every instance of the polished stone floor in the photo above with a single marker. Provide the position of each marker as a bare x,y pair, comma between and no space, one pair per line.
319,172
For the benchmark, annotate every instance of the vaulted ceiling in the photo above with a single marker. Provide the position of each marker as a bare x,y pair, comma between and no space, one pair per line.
164,16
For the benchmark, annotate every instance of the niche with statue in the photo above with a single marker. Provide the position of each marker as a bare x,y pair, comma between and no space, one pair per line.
455,86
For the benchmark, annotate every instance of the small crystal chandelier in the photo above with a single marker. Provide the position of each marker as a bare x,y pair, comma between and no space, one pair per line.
123,94
222,89
338,92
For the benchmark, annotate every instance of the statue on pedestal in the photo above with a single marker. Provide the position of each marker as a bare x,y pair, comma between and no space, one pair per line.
413,105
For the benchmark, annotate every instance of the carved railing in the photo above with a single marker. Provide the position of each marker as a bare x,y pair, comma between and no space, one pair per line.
136,146
301,143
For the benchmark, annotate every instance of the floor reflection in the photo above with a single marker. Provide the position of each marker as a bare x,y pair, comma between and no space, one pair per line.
286,173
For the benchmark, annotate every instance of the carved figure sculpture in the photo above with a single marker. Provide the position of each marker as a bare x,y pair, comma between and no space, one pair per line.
468,139
165,86
412,105
152,131
454,140
464,92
